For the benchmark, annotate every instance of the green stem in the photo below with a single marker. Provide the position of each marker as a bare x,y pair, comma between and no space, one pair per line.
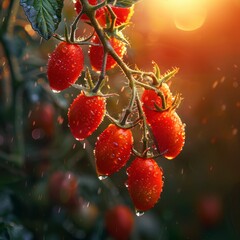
74,27
102,75
145,127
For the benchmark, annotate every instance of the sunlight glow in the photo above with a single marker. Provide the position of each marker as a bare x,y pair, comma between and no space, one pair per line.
188,15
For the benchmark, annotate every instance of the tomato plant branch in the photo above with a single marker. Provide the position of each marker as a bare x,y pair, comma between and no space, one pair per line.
102,74
74,27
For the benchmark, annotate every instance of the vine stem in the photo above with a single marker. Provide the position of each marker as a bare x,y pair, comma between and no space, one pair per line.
130,74
109,50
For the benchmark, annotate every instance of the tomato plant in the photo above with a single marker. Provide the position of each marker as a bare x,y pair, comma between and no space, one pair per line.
153,110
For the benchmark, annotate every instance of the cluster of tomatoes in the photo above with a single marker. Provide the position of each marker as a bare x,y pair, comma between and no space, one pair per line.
156,107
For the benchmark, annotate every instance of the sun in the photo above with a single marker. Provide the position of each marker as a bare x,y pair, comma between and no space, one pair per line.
188,15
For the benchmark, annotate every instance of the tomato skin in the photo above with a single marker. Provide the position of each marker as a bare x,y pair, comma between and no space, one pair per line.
119,222
96,53
149,97
63,189
64,66
84,17
113,149
123,15
169,133
85,115
144,183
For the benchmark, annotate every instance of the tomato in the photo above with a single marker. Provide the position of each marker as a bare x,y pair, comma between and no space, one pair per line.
42,121
210,209
123,15
169,133
96,53
119,222
63,189
64,66
84,17
85,115
144,183
113,149
150,97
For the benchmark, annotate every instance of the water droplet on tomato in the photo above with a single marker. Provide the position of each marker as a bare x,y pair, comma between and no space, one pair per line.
139,213
56,91
102,177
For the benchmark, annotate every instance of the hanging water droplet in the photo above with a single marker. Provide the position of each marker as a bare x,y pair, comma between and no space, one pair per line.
56,91
139,213
102,177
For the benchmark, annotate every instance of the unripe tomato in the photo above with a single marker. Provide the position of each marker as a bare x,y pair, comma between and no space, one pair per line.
64,66
119,222
144,183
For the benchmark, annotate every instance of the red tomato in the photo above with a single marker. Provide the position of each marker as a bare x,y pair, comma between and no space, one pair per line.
42,120
123,15
169,133
96,53
119,222
63,189
65,65
85,115
150,97
144,183
113,149
78,8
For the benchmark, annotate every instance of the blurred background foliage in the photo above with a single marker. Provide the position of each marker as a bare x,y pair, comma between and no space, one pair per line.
202,185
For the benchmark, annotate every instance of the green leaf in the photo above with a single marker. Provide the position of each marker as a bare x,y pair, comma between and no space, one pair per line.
123,3
44,15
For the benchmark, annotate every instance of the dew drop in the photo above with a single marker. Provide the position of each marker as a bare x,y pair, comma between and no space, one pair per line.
79,139
56,91
139,213
102,177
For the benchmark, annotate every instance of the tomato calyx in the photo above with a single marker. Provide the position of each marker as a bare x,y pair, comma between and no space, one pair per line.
175,104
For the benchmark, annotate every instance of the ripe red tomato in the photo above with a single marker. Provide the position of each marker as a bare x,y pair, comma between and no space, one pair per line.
169,133
144,183
210,209
63,189
149,97
85,115
123,15
113,149
119,222
41,121
96,53
78,8
65,65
